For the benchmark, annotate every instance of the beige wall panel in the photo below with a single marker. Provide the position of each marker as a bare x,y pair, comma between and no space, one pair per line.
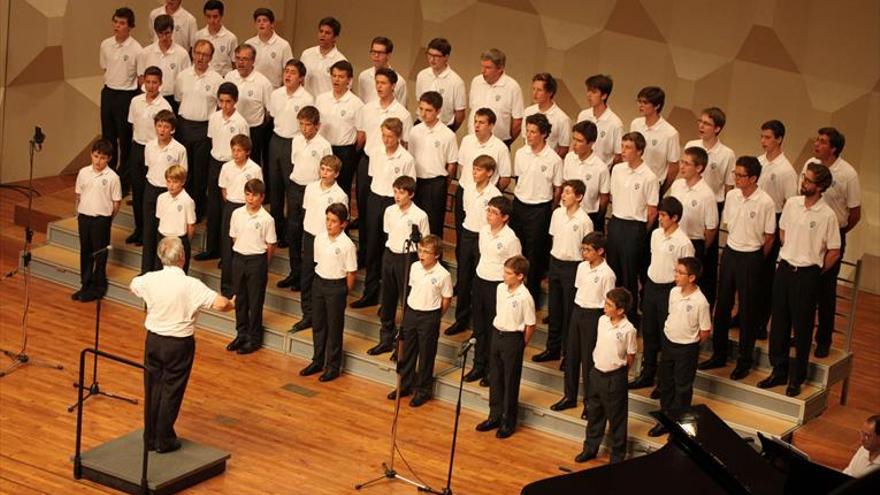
715,27
30,26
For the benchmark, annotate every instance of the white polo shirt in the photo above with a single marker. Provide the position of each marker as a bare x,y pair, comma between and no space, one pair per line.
271,57
688,315
175,213
450,86
514,310
253,95
662,145
397,225
224,43
119,62
861,463
700,212
613,344
367,86
173,299
369,120
158,159
384,168
318,68
504,98
666,249
252,232
233,178
609,129
778,178
593,172
197,93
560,125
495,249
568,231
221,130
316,199
593,284
719,171
471,148
184,25
844,192
432,148
339,117
284,107
632,191
172,62
141,116
429,287
536,174
335,257
306,157
748,219
475,203
97,191
809,232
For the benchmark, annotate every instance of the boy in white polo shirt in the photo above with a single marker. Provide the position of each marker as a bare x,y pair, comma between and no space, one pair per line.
439,77
608,124
584,164
273,51
252,231
608,400
689,323
223,40
118,56
321,57
662,149
166,54
543,90
98,194
429,297
513,326
176,212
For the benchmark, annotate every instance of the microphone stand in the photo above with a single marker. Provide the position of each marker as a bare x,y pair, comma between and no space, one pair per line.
94,388
20,358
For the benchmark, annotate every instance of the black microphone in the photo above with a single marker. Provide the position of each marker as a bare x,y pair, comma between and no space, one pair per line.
415,236
102,250
39,137
467,346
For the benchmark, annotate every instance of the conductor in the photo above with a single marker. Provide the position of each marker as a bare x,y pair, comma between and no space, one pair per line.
173,299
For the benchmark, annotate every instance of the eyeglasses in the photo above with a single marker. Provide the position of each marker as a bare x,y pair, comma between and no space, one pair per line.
740,176
378,52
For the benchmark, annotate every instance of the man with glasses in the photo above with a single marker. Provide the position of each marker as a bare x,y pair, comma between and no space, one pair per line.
380,56
439,77
867,458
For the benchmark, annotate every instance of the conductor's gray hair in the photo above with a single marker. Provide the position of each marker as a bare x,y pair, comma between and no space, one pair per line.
170,251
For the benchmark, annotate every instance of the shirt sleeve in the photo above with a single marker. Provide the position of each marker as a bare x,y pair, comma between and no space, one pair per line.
446,286
460,95
424,226
516,109
631,345
80,182
269,235
652,194
451,150
557,170
565,132
202,295
729,168
853,192
609,283
617,138
673,149
503,162
190,212
604,181
183,162
687,250
350,261
528,309
137,286
178,85
711,216
705,316
770,218
233,225
102,59
832,233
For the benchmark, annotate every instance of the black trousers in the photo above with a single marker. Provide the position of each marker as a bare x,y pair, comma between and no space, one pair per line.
227,283
741,273
328,318
708,282
561,302
137,172
765,289
295,215
250,274
505,373
467,255
193,135
260,136
795,292
598,219
531,224
627,242
579,349
168,362
827,300
115,126
349,156
420,332
458,211
678,368
307,274
94,234
607,401
394,269
655,309
363,203
150,234
279,169
431,197
484,307
214,209
187,251
372,233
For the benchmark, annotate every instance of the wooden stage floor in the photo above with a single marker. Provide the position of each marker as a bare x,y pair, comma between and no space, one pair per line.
288,434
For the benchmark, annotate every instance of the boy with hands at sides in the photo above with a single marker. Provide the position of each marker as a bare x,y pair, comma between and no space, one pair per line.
176,212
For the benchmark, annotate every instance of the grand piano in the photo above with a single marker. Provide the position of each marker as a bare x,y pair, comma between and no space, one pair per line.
705,456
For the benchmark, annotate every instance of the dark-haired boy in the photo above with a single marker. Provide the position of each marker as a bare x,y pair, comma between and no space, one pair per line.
439,77
320,58
583,163
184,22
662,150
608,124
380,58
273,51
339,108
234,175
118,56
543,91
165,54
223,40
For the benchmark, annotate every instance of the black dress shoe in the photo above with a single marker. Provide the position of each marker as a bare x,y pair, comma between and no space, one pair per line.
301,325
419,400
772,381
655,394
235,344
363,303
484,382
793,389
311,369
504,431
454,329
403,393
585,456
739,372
489,424
169,447
563,404
643,381
133,238
380,349
822,350
89,296
657,430
329,375
547,355
285,282
76,295
713,363
205,256
248,348
296,286
474,374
